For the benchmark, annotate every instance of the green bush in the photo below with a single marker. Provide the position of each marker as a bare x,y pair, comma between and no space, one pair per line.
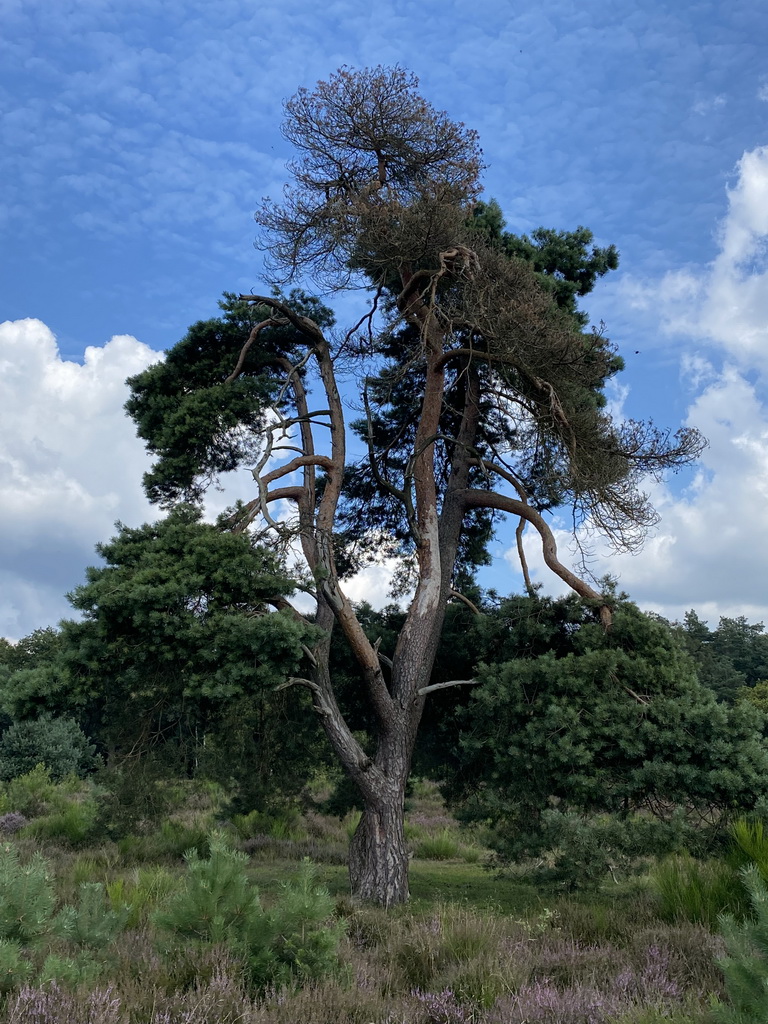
15,970
74,824
151,886
26,896
69,971
750,845
134,795
292,942
578,851
443,846
92,922
31,794
277,824
58,743
746,966
170,842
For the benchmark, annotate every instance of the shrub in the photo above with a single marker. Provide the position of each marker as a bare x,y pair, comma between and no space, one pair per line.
92,922
746,966
26,896
151,886
14,969
278,824
135,793
750,845
58,743
11,822
580,850
74,824
170,842
290,943
443,846
217,903
33,793
295,941
69,971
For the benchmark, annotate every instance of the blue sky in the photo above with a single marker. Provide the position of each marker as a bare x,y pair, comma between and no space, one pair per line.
137,139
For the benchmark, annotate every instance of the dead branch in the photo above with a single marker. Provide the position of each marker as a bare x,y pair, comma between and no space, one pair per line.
443,686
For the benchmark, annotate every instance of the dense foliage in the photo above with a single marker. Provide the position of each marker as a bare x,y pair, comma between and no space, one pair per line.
585,721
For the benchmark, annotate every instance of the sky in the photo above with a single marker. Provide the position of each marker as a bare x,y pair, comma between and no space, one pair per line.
137,139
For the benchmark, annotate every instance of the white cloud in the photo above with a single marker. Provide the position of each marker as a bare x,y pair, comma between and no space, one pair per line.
710,550
70,465
726,303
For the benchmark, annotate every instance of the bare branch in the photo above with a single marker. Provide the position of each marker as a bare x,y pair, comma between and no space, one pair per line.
490,499
521,555
382,657
271,322
465,600
442,686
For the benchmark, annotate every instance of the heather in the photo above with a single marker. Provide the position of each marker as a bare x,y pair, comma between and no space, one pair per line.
247,929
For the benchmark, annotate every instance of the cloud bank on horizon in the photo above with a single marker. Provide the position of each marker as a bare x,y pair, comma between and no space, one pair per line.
136,141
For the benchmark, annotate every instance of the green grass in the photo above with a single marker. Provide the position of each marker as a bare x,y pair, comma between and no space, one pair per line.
432,883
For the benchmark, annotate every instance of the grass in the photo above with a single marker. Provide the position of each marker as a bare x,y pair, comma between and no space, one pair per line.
470,948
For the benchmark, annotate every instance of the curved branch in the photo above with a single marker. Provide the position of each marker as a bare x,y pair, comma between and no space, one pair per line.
465,600
301,323
490,499
301,460
255,332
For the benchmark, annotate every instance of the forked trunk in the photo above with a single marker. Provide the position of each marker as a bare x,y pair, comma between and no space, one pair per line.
378,856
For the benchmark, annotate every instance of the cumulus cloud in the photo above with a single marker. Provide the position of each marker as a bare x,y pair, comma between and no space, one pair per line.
70,465
726,303
710,550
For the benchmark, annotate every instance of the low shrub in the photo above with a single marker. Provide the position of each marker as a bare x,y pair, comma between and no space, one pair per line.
27,897
33,794
58,743
11,822
746,966
293,942
283,824
750,845
92,922
74,824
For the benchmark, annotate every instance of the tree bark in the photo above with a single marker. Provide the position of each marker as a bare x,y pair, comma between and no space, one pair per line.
378,855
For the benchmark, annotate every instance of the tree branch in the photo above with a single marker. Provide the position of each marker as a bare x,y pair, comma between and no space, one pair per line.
444,686
465,600
271,322
502,502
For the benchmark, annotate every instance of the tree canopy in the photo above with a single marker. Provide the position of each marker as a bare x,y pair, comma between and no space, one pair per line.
178,645
570,722
477,394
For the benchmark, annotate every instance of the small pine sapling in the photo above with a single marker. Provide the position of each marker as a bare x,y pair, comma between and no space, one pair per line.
746,966
26,896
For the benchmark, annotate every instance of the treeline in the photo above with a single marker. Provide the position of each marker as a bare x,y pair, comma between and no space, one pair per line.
554,733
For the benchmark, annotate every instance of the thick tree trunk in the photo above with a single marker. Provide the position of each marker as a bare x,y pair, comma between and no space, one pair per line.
378,856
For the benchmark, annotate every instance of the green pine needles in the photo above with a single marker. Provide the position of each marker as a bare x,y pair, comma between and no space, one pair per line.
292,942
35,941
27,899
746,966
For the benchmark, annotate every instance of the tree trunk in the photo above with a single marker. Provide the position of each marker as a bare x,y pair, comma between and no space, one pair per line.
378,856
